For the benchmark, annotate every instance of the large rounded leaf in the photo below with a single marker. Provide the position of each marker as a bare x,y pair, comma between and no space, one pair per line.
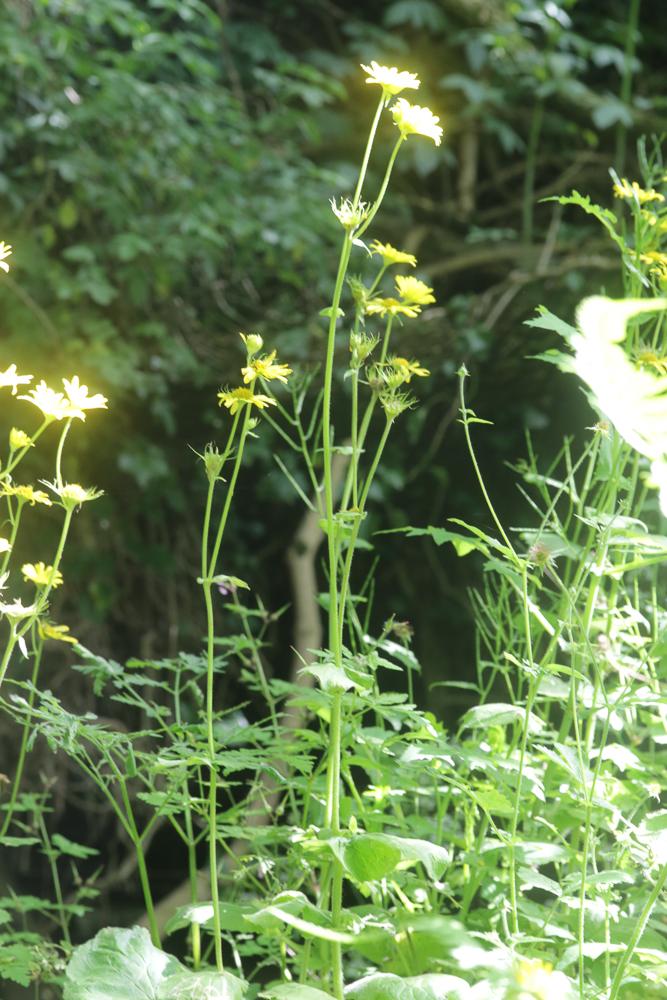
383,986
123,964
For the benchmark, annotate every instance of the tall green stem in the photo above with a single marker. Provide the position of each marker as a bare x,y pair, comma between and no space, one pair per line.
208,571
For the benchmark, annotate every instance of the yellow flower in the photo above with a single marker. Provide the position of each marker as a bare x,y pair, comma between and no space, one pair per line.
253,343
73,495
413,291
650,359
409,368
5,545
657,262
390,306
390,255
27,494
413,120
538,981
41,575
19,439
5,251
57,632
392,80
11,377
52,404
233,399
627,190
265,368
79,400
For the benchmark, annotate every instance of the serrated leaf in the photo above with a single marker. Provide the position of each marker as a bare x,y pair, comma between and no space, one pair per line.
72,849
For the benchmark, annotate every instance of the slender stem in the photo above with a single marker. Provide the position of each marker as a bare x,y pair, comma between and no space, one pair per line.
327,444
59,453
208,571
626,81
529,176
141,864
18,775
367,154
640,927
55,876
383,190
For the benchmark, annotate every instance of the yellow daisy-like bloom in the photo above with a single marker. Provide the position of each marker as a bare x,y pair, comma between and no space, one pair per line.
392,80
26,494
265,368
392,307
538,981
41,575
19,439
234,399
5,545
79,400
409,368
411,119
57,632
413,291
390,255
627,190
53,404
11,377
5,251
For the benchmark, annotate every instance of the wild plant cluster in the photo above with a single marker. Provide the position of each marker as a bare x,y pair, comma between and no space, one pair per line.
348,845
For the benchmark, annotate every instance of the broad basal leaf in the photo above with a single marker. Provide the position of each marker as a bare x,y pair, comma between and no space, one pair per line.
384,986
123,964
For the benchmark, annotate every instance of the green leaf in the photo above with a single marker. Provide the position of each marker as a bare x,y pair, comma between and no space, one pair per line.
546,320
232,917
498,714
385,986
330,677
123,964
72,849
295,992
603,215
368,857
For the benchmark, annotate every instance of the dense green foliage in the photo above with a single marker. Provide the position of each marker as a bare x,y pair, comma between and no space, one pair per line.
167,169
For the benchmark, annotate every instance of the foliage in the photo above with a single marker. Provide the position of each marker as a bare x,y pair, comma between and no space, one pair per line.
354,846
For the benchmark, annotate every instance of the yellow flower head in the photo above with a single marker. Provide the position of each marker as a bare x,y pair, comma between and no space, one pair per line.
391,307
392,80
79,400
413,120
26,494
390,255
657,263
265,367
409,368
11,377
234,399
253,343
5,251
53,404
627,190
538,981
413,291
19,439
41,575
57,632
